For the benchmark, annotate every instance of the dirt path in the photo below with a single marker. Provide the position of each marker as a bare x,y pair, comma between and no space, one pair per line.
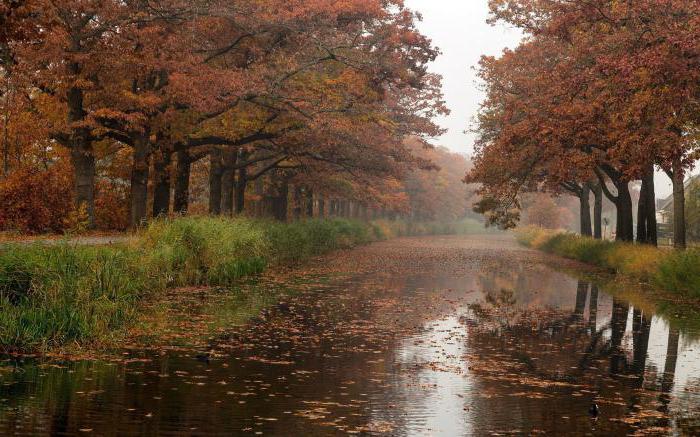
88,240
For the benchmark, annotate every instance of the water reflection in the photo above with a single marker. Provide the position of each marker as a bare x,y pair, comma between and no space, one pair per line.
502,347
575,358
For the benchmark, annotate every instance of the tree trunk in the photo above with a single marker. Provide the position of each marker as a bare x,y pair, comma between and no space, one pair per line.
298,202
309,203
625,213
83,162
139,181
161,180
228,175
598,212
642,215
182,182
81,153
215,177
679,231
280,203
646,212
241,184
585,211
321,207
260,194
652,225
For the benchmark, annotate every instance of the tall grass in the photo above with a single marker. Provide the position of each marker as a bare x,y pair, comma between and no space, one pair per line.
675,271
54,295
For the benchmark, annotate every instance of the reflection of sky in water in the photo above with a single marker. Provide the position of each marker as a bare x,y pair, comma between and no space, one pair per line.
688,367
434,397
439,396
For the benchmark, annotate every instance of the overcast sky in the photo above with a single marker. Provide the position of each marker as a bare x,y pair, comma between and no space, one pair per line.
459,29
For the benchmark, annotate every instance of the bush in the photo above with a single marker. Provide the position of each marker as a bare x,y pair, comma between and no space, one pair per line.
34,201
676,271
111,205
203,251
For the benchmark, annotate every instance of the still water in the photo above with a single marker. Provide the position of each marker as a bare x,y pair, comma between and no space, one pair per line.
504,347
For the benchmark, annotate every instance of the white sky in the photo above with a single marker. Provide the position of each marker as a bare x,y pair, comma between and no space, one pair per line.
459,29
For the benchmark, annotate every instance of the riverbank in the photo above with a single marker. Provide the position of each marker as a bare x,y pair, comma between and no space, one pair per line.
674,271
53,295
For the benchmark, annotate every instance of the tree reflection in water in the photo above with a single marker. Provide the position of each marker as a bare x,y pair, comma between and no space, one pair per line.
560,355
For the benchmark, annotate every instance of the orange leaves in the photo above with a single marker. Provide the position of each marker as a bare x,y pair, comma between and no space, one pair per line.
36,201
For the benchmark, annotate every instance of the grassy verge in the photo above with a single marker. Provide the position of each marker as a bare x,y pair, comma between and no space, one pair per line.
674,271
57,295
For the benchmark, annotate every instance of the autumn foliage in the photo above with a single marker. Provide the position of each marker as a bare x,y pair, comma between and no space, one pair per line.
598,95
269,108
35,201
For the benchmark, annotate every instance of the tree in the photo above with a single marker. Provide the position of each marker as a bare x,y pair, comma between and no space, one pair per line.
544,212
319,95
612,82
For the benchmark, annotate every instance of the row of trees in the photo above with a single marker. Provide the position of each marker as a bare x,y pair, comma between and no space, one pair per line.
598,95
129,96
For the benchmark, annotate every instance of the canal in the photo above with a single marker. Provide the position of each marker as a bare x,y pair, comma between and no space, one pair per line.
424,336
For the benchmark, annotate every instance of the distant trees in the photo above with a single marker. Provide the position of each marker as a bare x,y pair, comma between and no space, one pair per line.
282,100
541,210
598,95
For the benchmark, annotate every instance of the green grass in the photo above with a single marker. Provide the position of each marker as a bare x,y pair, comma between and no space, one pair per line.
671,270
57,295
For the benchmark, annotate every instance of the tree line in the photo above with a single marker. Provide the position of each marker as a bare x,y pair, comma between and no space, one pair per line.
598,95
319,100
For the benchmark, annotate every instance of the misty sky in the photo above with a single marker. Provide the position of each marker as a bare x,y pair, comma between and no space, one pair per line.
459,29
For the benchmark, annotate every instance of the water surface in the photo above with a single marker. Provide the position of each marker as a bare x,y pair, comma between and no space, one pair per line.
480,343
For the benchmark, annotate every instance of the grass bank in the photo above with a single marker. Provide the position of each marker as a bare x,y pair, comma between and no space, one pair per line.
57,295
674,271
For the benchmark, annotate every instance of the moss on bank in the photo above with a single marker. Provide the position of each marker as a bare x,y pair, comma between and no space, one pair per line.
671,270
55,295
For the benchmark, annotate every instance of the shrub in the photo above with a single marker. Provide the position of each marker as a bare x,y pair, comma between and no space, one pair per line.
36,201
204,250
111,205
